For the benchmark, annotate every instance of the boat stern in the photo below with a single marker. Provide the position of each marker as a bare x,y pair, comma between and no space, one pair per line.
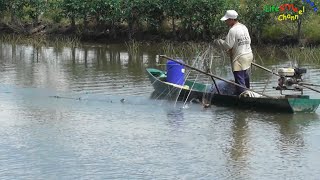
304,104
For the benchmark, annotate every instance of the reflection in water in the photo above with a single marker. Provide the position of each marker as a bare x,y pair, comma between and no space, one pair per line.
240,136
85,112
257,137
94,69
239,149
253,133
291,129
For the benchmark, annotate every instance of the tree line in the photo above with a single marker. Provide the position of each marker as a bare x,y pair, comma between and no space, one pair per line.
134,19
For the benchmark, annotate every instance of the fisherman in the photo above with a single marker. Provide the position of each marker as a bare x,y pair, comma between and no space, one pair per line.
237,44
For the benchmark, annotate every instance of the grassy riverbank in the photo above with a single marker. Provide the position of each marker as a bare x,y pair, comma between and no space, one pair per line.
176,49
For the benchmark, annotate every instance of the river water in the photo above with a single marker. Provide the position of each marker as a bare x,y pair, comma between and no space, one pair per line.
86,113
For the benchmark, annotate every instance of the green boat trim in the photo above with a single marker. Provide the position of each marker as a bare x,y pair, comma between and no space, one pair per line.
194,90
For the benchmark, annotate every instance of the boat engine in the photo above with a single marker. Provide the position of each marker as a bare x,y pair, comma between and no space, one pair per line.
290,79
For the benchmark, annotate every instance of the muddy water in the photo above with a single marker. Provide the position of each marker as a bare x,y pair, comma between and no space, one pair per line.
86,113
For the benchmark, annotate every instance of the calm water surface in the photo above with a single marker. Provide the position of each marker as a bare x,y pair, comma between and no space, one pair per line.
62,118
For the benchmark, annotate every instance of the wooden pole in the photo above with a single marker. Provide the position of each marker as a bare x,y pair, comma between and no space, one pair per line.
309,88
215,84
309,84
214,76
214,81
261,67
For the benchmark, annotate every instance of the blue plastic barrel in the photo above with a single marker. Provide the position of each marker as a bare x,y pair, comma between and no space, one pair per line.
175,72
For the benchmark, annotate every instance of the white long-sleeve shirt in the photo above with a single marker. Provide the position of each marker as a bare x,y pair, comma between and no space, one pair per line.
238,40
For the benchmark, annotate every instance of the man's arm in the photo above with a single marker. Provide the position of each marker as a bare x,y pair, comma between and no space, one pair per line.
221,43
230,53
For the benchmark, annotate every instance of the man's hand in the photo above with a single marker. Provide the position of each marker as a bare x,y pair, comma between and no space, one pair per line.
218,42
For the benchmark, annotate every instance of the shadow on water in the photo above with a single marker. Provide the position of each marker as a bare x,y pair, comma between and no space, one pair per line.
175,116
173,108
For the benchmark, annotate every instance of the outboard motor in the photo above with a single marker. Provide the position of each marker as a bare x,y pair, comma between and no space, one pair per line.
290,79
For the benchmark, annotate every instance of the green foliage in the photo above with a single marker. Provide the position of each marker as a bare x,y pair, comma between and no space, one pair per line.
131,10
108,11
252,14
173,8
54,12
34,8
191,19
16,7
3,6
273,32
152,12
199,16
73,8
311,29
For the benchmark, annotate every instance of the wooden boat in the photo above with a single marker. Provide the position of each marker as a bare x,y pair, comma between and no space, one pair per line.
197,91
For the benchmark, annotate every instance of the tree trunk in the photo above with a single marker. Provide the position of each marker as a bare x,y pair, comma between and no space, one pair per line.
130,30
132,22
174,33
14,19
73,22
86,57
206,32
259,37
85,24
73,55
113,32
299,31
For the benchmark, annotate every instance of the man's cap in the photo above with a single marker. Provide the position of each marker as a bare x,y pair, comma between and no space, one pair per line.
230,14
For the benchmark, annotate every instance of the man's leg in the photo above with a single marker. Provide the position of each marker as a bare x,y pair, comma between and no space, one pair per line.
239,77
247,78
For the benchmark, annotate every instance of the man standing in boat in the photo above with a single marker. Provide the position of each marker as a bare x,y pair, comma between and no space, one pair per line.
237,44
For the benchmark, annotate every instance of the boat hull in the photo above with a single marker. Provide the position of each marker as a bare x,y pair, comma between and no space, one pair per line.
198,91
